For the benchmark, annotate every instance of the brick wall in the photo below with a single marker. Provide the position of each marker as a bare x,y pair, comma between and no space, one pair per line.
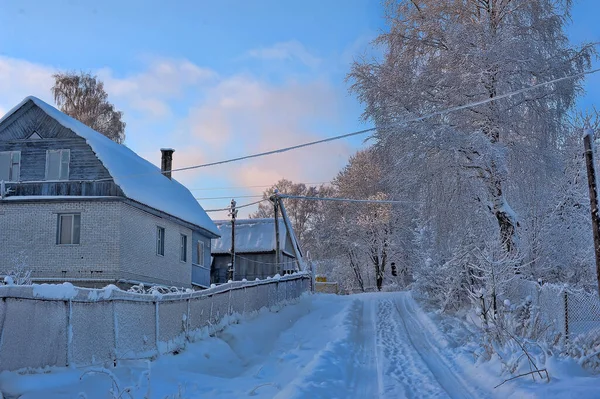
139,260
117,241
28,236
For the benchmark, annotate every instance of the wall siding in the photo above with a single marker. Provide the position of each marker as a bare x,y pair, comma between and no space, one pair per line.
30,118
247,265
83,165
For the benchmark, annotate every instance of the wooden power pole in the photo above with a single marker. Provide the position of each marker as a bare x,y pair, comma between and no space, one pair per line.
275,200
591,172
233,213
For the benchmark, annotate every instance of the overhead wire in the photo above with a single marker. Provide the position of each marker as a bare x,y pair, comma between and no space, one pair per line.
410,120
362,201
237,206
231,196
386,126
256,186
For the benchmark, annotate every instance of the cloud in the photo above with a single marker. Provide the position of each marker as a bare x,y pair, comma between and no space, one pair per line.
149,92
207,117
242,115
20,78
286,51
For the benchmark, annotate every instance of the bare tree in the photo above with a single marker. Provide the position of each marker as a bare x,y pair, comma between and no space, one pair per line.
302,213
82,96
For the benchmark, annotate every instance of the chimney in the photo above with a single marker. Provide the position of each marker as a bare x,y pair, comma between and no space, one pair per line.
166,161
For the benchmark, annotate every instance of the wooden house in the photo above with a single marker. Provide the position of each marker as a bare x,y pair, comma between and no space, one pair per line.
76,206
255,250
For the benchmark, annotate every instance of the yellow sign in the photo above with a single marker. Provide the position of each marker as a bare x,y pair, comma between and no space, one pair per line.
321,279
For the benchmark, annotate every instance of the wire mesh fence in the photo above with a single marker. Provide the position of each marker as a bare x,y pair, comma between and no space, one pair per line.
99,327
565,310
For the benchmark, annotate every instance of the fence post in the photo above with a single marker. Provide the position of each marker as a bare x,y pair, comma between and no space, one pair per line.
187,319
116,332
69,332
483,311
566,304
156,328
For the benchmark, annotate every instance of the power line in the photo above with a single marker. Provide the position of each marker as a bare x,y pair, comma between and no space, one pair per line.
362,201
372,129
410,120
229,197
237,207
257,186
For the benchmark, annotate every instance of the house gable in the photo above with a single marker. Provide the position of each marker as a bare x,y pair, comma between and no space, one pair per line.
16,133
30,118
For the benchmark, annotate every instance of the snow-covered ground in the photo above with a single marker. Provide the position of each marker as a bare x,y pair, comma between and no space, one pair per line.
379,345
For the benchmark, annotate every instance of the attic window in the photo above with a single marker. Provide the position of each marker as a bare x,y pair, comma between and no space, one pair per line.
34,136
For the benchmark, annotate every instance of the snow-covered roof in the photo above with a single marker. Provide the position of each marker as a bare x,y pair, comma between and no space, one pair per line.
251,235
139,179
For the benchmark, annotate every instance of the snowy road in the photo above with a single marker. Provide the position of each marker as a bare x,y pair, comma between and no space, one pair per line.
394,355
325,346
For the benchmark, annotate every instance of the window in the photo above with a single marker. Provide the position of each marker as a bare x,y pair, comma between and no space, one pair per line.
160,241
57,164
200,253
10,166
69,226
183,249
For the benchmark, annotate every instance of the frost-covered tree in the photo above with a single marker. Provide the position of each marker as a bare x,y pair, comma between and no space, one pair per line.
441,54
303,213
82,96
464,168
362,237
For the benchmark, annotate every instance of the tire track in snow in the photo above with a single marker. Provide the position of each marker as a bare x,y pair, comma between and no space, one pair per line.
405,374
441,369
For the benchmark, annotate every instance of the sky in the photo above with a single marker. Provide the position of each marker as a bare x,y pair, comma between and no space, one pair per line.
217,79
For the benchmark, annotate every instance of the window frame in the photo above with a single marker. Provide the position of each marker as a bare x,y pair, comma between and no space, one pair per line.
61,176
183,246
11,164
75,228
200,260
160,241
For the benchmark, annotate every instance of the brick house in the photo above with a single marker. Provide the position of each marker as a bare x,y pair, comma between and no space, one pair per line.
76,206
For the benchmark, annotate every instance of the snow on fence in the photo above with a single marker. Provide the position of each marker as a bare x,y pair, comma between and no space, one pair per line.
565,310
60,325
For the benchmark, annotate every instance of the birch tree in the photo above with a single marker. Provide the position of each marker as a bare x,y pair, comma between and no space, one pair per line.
82,96
441,54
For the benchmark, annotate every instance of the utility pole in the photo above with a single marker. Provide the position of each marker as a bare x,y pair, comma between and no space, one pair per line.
275,200
591,172
233,213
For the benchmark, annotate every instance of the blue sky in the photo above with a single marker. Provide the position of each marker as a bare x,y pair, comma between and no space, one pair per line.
216,79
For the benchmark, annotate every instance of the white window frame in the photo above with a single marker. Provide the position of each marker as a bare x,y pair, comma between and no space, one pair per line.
199,249
160,241
11,164
61,166
183,240
75,239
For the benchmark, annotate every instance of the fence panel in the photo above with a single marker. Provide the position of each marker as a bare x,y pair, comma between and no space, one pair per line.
34,334
564,310
100,326
584,312
99,345
136,326
172,322
200,313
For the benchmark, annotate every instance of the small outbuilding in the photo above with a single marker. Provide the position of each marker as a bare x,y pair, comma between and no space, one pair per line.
255,250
